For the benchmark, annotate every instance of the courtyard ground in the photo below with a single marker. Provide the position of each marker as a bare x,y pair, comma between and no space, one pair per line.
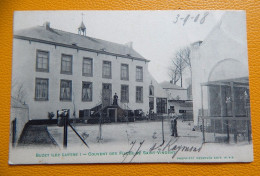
125,133
139,141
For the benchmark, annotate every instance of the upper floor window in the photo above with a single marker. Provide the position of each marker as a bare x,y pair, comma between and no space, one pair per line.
139,94
107,73
65,90
86,91
124,93
124,72
41,89
139,73
87,67
151,90
66,64
42,61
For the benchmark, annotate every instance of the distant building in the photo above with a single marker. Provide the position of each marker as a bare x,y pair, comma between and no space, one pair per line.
178,102
63,70
174,91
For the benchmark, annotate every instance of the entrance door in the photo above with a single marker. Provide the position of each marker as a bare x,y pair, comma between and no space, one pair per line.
151,103
106,95
112,114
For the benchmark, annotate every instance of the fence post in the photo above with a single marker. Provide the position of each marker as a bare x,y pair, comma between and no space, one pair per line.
228,138
65,131
162,130
202,115
234,124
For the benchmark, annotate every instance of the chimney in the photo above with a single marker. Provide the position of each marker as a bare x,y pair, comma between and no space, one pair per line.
46,25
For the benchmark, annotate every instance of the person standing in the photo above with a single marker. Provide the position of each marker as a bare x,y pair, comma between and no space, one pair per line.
115,99
174,127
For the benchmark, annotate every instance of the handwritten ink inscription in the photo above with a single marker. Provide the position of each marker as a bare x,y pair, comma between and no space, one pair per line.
172,146
200,18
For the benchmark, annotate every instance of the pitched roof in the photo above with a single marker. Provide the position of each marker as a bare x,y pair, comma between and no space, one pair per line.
168,85
67,39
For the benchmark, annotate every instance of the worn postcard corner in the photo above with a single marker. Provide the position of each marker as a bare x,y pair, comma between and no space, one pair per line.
130,87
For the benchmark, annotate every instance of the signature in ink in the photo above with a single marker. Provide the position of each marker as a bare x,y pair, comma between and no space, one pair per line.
189,17
171,146
130,152
137,151
125,155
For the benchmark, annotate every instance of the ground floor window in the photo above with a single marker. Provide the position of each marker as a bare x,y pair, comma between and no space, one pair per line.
41,89
124,93
161,104
182,111
139,94
65,90
86,91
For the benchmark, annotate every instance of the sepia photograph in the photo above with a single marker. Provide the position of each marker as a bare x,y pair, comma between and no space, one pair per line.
130,87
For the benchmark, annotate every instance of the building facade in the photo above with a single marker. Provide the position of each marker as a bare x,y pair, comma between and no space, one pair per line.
217,63
61,70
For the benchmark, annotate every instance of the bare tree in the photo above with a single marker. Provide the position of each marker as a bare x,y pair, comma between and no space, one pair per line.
180,62
174,73
74,108
186,52
18,91
99,138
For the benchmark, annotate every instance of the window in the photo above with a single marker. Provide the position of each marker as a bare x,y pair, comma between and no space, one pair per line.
41,89
161,104
42,61
139,73
151,90
124,72
66,64
65,90
124,93
87,67
107,69
172,109
182,111
139,94
86,91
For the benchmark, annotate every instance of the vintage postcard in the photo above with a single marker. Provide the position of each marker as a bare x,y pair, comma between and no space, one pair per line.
130,87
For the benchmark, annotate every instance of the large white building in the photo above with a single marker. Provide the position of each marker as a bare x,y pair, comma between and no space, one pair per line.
220,69
61,70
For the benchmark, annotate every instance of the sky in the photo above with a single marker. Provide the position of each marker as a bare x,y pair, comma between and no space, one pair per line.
156,35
